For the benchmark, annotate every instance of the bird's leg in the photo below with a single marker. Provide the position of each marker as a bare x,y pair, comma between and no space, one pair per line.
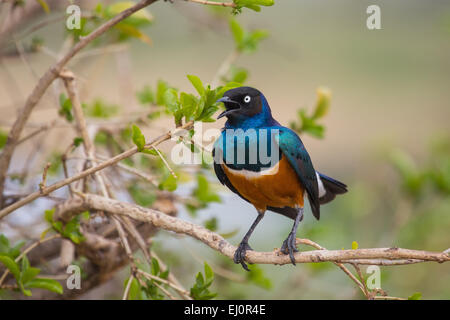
239,255
289,245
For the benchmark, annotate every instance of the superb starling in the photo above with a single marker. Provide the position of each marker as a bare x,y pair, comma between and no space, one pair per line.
267,165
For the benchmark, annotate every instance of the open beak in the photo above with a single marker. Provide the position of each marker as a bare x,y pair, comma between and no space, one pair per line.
230,106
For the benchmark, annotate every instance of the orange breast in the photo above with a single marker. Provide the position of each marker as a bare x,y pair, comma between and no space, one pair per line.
280,189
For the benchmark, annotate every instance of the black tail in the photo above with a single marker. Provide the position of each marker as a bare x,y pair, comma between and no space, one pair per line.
332,188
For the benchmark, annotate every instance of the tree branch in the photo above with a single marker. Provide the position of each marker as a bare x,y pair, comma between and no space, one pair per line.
45,81
214,3
49,189
218,243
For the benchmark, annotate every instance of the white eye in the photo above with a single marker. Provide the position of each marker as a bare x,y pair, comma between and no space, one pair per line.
247,99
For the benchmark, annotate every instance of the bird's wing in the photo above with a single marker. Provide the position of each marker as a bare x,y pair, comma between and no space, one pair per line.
294,150
221,174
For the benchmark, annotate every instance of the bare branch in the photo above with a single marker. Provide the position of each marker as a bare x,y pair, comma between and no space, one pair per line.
127,289
47,190
213,3
218,243
45,81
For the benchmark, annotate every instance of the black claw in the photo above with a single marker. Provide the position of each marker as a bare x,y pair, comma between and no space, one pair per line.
289,246
239,255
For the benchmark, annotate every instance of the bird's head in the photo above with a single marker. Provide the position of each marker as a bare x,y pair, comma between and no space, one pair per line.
243,103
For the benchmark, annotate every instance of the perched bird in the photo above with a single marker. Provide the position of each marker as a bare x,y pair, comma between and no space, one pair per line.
276,180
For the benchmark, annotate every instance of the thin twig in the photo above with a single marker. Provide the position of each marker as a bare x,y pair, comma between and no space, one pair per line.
171,277
213,3
153,277
388,298
166,163
225,67
167,293
43,128
46,80
44,177
127,288
340,265
361,277
112,161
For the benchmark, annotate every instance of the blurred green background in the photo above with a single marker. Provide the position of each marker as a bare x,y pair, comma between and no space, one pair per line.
387,133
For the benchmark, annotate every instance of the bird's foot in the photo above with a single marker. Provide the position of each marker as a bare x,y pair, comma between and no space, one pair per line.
239,255
289,246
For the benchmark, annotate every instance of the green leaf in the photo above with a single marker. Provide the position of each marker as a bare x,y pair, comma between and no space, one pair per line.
171,100
197,83
47,284
58,226
138,138
230,234
354,245
132,31
211,224
85,215
155,267
7,250
65,109
239,75
25,264
161,89
29,274
77,141
44,5
323,103
209,274
253,7
146,96
199,280
251,4
138,18
415,296
308,124
100,109
237,31
256,275
188,105
246,3
11,265
207,113
141,196
203,192
4,244
165,274
199,290
3,138
169,184
44,233
25,291
413,179
49,215
135,289
152,152
252,40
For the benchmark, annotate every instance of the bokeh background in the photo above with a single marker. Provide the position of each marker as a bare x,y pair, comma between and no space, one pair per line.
387,129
